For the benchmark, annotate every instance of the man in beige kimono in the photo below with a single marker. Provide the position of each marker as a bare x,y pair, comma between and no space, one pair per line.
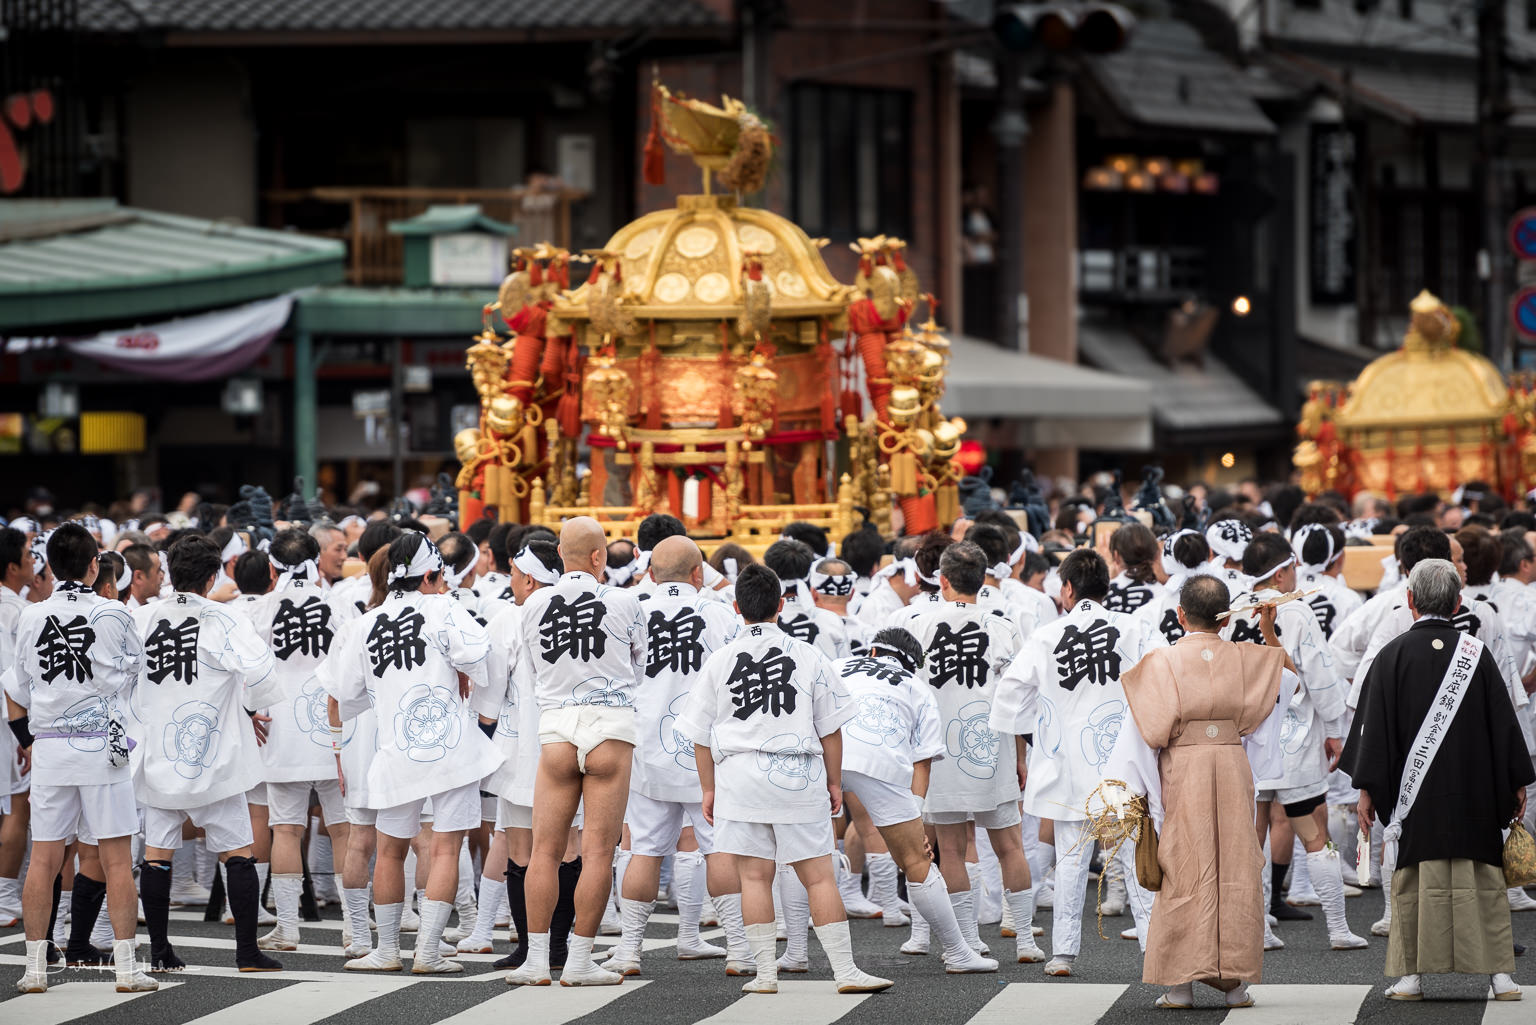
1202,707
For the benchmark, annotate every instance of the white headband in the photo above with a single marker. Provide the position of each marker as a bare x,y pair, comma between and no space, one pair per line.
1027,543
712,576
306,570
1299,542
633,570
40,553
347,521
1002,571
235,548
832,585
426,560
456,576
529,565
165,567
1290,561
731,570
1171,565
126,580
932,581
906,567
26,524
1229,538
1362,529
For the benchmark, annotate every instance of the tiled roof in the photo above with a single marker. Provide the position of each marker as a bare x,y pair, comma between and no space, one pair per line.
1167,78
1441,95
388,15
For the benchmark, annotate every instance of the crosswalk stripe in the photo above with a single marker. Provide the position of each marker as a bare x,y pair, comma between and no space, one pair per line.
1508,1012
804,1003
1316,1005
546,1005
1058,1004
305,1002
73,1000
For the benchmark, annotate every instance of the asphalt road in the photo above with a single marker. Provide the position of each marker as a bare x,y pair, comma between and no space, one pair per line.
1305,983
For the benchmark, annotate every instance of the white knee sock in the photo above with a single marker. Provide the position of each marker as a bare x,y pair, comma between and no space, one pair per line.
797,914
286,889
728,907
388,917
688,870
931,900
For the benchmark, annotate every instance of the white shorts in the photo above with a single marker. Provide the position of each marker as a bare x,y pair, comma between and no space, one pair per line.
513,816
487,807
1293,795
887,803
654,826
257,795
288,803
361,816
100,811
1004,816
586,726
226,825
452,811
784,842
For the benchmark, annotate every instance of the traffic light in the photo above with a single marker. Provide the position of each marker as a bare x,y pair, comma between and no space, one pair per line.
1088,28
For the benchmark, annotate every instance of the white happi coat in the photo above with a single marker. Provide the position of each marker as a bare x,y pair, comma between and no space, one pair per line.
761,705
1333,604
508,698
299,625
1025,615
203,667
1316,711
1064,689
878,605
967,647
821,628
1019,594
406,657
585,642
1515,605
12,779
1351,638
897,723
77,663
1127,595
359,723
683,628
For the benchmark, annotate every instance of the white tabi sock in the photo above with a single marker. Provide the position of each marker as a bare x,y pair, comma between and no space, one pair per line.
538,953
797,915
633,917
728,907
491,891
286,889
965,917
357,916
761,941
388,917
578,960
688,871
936,912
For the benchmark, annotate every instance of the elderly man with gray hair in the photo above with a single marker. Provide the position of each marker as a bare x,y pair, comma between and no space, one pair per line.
1438,756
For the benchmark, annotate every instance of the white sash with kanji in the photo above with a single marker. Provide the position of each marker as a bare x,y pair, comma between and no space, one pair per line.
1453,687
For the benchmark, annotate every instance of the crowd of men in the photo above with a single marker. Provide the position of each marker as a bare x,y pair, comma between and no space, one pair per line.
544,730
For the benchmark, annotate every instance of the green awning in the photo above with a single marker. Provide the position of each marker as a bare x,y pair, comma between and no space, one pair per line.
78,261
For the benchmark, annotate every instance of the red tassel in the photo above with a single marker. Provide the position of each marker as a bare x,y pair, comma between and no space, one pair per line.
655,163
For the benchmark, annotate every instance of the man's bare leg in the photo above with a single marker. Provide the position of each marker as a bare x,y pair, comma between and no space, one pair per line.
831,922
929,893
559,790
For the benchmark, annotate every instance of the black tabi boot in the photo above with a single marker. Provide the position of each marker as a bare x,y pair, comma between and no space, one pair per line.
564,917
244,892
155,892
84,907
517,905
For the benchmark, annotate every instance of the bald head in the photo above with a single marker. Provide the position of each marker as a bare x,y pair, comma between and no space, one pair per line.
674,560
583,545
